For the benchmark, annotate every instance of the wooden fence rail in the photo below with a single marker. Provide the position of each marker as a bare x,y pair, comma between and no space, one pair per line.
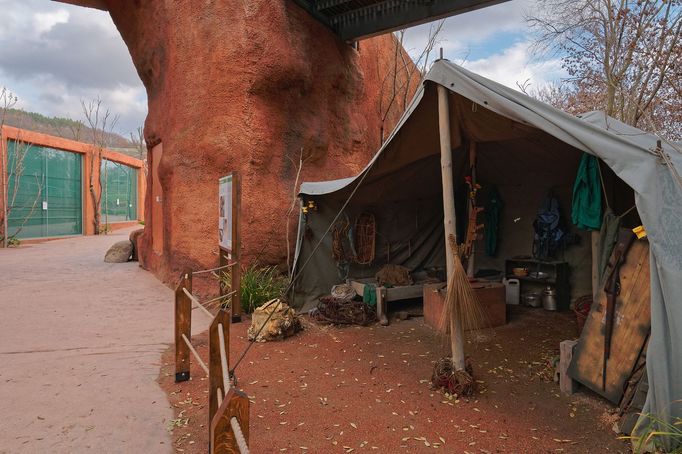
228,408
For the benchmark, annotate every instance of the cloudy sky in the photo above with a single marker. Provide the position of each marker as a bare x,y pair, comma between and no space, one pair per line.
54,55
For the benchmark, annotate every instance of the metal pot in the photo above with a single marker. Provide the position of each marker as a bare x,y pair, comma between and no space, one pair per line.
549,299
532,299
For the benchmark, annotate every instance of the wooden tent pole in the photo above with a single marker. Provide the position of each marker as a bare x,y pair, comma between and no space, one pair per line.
449,219
472,254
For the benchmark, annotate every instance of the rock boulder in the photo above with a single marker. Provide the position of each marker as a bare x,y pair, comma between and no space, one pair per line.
248,97
283,322
134,237
120,252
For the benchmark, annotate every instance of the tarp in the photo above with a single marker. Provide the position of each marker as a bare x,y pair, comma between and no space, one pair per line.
404,174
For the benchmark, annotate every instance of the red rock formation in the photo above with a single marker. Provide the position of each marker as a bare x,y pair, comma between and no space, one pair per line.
245,85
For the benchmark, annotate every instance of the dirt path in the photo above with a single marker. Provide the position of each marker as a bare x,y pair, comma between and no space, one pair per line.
80,345
353,389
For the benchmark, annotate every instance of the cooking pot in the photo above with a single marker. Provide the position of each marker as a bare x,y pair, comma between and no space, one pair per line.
549,299
532,299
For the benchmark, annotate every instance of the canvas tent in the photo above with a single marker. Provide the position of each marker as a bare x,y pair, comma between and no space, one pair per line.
516,137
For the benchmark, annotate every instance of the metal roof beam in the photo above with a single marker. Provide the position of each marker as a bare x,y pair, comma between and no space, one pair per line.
309,6
326,4
391,15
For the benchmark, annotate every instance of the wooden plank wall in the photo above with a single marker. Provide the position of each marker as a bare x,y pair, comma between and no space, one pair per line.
632,322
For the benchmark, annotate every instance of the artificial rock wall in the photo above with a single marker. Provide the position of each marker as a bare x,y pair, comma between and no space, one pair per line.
246,85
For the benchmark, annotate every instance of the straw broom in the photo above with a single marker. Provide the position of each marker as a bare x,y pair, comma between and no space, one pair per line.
461,312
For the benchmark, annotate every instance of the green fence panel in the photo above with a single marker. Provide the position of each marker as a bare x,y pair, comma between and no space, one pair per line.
119,192
64,193
44,191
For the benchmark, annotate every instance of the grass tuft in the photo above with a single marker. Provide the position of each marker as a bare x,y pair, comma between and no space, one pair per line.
656,434
259,284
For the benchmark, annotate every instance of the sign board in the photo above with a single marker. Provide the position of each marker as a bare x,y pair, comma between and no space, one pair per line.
225,213
229,201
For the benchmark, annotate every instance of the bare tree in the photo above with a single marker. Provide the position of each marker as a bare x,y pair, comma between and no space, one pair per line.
17,172
398,81
294,200
623,53
76,130
137,139
101,123
14,170
7,101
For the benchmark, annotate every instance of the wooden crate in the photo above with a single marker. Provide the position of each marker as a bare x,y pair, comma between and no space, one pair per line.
491,296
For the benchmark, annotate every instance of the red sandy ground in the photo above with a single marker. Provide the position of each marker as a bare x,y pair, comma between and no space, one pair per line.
366,389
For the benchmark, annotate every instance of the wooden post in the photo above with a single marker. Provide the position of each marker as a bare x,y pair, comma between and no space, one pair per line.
221,436
183,325
472,255
236,248
595,239
4,158
449,219
215,376
567,385
381,305
223,260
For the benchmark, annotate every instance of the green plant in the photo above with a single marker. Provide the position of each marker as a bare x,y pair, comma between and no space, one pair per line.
12,241
653,432
259,284
141,222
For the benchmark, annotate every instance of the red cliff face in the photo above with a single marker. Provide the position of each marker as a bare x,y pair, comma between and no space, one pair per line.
246,85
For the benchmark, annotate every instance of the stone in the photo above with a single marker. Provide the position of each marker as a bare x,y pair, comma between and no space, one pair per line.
402,315
283,323
120,252
248,97
134,238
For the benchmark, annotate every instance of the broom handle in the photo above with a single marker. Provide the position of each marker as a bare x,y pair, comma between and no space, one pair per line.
449,220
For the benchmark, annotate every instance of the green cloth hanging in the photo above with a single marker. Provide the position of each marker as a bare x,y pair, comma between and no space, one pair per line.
369,295
586,213
491,229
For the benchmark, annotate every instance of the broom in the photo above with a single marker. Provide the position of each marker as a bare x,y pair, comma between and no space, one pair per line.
461,312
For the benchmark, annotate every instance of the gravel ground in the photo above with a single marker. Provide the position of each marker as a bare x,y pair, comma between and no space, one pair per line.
366,389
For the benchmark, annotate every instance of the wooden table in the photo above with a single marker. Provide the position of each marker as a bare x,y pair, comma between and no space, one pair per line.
386,294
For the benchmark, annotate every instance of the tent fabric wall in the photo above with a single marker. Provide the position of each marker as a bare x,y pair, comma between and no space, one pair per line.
485,111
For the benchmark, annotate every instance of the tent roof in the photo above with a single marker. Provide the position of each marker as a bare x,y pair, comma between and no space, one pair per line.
588,132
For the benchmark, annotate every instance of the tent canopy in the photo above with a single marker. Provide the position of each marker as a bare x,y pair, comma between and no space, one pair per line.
520,141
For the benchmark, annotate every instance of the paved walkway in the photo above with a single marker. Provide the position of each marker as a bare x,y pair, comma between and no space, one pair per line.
80,345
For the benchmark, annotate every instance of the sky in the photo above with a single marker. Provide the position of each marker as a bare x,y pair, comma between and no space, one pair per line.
54,55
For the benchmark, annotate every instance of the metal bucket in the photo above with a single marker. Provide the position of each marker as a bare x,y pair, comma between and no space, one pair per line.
549,299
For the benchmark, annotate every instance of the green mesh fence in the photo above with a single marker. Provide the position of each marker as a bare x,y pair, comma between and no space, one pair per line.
119,192
44,191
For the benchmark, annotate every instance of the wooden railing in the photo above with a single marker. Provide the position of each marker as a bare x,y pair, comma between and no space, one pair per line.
228,408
